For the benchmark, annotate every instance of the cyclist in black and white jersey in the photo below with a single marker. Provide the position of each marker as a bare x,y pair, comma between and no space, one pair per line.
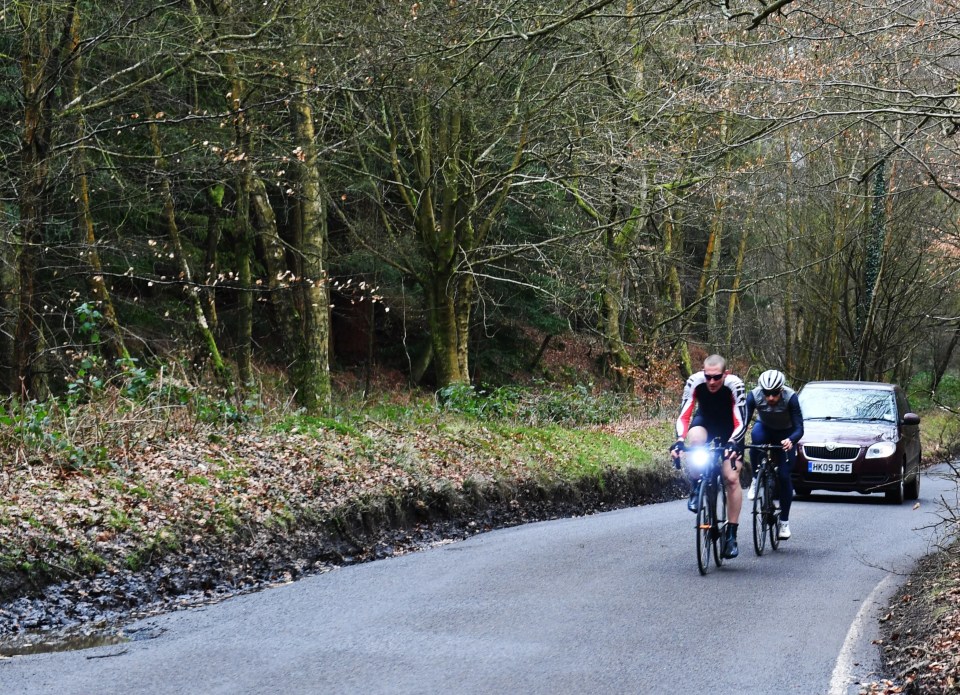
714,405
779,421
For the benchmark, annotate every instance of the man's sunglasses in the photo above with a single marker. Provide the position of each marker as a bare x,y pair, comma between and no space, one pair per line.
713,377
771,393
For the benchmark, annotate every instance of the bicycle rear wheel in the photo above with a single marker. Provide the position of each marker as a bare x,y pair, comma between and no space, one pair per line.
704,529
760,526
771,514
720,520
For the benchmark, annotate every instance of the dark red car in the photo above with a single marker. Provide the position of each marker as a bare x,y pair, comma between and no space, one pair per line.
859,436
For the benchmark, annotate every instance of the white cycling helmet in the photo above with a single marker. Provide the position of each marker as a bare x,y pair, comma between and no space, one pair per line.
771,380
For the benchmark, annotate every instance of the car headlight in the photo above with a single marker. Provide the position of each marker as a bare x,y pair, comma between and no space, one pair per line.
881,450
698,458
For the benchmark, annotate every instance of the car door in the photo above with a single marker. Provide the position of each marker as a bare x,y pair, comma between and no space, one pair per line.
909,433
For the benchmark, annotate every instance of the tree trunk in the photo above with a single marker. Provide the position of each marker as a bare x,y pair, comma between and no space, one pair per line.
829,358
443,229
421,363
466,296
735,289
311,368
9,295
243,249
43,44
672,240
713,311
873,271
264,223
617,359
444,332
32,213
788,334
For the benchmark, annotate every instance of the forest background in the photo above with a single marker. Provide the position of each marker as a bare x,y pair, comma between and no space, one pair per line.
225,218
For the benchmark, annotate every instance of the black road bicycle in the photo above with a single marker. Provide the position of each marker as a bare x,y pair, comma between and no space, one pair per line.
711,504
766,510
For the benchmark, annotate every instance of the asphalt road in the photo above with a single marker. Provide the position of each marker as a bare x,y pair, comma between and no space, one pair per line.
610,603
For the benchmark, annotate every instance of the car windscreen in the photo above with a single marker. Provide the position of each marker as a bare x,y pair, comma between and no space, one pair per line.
847,404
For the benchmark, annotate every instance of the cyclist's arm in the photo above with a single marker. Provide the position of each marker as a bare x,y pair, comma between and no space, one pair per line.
688,405
751,406
739,405
796,415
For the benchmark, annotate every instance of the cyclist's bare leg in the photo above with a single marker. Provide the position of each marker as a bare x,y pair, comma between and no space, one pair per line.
731,478
695,437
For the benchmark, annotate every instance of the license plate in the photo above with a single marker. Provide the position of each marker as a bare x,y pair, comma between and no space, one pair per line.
830,466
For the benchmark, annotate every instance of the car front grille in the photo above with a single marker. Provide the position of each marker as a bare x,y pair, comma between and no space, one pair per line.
836,453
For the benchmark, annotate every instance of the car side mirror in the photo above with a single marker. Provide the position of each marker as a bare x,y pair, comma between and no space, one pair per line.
911,419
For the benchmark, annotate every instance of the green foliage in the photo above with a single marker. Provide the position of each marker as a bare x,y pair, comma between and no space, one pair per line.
76,430
119,520
939,425
467,400
398,412
45,426
88,321
562,453
227,472
216,194
88,375
137,381
948,391
570,405
939,435
214,410
573,405
154,547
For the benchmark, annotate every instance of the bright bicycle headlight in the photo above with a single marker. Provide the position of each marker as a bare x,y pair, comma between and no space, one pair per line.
881,450
698,458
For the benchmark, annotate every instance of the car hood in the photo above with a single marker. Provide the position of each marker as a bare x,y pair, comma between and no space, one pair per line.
863,433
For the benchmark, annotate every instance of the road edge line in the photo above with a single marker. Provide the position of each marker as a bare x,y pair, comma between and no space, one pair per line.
842,676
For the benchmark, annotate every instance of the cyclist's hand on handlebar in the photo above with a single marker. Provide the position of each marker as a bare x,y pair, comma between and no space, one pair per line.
787,444
730,451
675,450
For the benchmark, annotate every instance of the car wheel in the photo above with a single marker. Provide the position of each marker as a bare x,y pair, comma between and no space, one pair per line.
895,494
911,490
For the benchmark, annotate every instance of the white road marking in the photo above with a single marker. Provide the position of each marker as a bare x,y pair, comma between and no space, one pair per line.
842,676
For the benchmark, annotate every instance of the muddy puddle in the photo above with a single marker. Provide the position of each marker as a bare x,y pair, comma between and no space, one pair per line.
65,644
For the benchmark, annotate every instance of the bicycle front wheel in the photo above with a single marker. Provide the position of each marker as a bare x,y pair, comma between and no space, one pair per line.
705,523
760,524
719,520
771,515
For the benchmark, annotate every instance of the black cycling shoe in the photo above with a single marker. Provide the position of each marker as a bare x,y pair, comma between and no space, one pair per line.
730,549
694,497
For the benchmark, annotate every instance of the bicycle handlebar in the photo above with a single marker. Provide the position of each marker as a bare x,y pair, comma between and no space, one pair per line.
716,445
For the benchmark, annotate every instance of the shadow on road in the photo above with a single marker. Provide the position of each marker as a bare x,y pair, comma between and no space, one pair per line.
846,498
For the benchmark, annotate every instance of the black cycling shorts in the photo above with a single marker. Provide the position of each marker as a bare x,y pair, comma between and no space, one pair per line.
722,430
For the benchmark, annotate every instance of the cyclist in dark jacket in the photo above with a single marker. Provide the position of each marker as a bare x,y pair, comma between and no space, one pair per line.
779,421
713,405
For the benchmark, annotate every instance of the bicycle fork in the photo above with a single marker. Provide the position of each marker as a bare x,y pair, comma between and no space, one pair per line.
716,526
